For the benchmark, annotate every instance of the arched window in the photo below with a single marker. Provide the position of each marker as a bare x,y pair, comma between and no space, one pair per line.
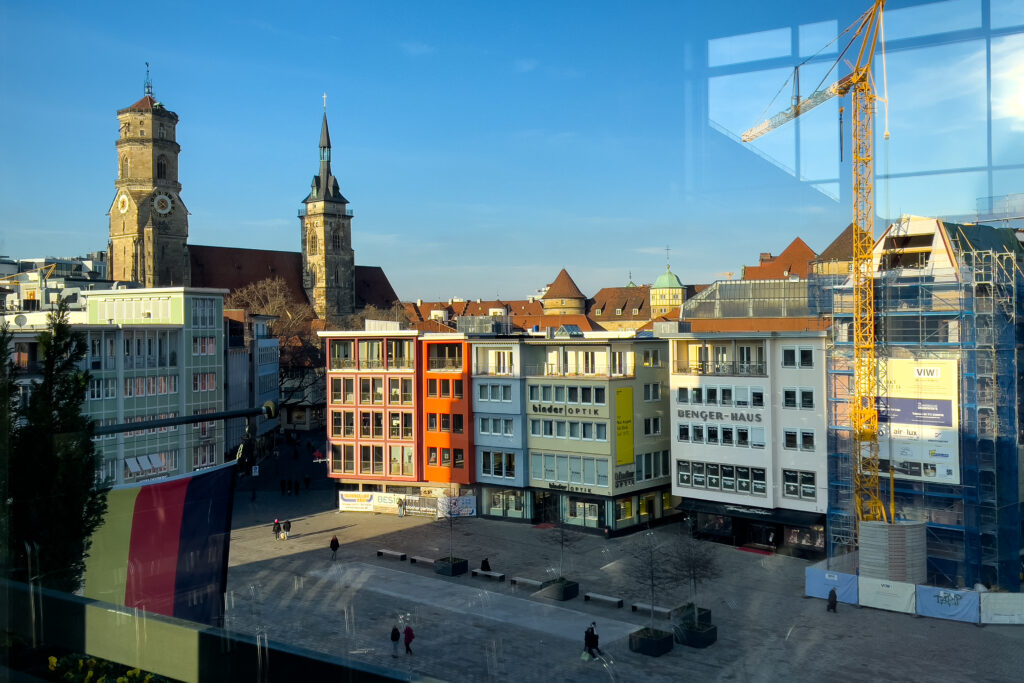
161,168
123,171
312,244
336,239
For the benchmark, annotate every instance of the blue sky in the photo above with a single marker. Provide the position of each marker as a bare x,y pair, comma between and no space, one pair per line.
484,146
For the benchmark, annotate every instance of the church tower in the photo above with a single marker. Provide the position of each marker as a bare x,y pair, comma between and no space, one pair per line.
148,221
328,262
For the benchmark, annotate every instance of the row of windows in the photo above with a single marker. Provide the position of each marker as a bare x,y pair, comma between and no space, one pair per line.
721,396
150,464
204,455
496,425
725,435
450,457
445,422
400,353
791,356
717,477
802,439
498,464
152,348
139,432
652,426
561,429
444,388
371,424
204,313
797,397
204,381
371,460
205,429
569,469
150,386
204,346
652,392
739,479
546,393
652,465
494,392
371,390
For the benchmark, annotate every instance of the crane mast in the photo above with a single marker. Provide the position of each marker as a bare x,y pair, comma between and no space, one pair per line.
863,410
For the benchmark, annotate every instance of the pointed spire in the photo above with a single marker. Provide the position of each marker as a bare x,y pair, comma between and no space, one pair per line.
325,136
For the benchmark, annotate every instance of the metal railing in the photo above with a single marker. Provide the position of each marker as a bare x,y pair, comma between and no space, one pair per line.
454,364
736,368
554,370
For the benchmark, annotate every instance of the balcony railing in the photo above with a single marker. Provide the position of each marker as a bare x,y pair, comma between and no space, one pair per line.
735,368
342,364
493,371
452,364
554,370
371,364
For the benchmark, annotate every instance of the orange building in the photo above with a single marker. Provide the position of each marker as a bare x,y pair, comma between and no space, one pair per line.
447,409
373,418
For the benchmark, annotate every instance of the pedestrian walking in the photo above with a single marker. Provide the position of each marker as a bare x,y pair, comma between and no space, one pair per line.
409,635
590,642
401,507
287,528
395,635
277,529
334,555
832,600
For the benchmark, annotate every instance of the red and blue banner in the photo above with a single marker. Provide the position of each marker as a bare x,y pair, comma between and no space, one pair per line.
163,546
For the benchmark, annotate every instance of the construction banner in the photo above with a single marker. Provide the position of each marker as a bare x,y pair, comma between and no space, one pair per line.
1002,608
895,596
818,583
945,603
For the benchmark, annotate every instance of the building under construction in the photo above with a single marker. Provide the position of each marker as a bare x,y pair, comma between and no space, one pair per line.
950,327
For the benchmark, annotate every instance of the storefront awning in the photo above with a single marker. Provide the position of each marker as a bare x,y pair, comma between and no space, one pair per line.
768,515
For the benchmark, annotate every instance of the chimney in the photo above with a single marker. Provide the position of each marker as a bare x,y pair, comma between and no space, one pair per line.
419,302
766,256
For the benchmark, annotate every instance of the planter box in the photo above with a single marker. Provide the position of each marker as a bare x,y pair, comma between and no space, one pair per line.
561,589
650,642
451,567
700,637
685,615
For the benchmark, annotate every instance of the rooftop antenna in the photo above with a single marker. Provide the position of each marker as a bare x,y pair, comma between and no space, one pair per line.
149,82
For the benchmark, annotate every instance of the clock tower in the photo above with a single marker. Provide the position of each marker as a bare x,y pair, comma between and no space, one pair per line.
148,221
328,262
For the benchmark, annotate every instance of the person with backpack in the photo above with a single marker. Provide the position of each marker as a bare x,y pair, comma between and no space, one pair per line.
287,528
395,635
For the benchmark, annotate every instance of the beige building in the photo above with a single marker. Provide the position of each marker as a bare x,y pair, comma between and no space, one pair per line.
148,221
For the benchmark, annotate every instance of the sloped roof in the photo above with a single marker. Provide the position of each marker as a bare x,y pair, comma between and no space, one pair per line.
563,288
841,248
982,238
148,103
608,300
543,322
794,260
233,268
373,288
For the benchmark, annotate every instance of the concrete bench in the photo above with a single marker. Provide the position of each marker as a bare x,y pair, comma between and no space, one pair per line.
609,599
526,583
393,554
416,559
493,575
657,611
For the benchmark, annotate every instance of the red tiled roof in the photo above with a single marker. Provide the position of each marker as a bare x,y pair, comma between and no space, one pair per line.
794,260
563,288
233,268
543,322
625,299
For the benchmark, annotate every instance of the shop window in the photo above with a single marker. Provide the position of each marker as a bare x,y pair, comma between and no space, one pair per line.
624,509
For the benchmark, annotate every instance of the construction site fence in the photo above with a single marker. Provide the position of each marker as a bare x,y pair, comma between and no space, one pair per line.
968,606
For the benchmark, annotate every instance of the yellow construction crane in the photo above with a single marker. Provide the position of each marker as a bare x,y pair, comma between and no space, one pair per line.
864,413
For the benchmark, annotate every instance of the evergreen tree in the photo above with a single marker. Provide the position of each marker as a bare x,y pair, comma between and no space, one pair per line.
56,501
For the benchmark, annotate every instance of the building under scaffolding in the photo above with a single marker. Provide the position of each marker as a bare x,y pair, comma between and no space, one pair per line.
950,326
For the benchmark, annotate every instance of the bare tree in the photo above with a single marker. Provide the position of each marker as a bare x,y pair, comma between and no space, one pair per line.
357,321
273,297
696,561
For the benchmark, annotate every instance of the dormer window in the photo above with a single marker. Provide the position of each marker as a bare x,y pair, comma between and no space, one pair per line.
636,311
618,311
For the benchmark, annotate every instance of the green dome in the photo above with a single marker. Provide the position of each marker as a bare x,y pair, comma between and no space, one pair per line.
667,280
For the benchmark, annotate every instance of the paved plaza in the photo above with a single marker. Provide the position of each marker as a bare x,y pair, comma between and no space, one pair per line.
475,629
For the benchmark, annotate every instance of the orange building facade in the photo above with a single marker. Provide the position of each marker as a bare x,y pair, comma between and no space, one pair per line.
447,409
373,418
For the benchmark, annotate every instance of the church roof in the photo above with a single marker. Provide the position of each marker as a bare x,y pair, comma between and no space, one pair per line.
325,136
667,280
149,103
563,288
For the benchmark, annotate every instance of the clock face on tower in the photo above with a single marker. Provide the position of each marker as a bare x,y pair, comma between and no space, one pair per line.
122,203
163,204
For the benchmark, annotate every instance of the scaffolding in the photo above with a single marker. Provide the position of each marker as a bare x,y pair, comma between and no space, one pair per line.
971,313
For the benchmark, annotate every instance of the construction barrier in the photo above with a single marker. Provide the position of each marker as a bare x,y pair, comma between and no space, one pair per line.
895,596
1002,608
946,603
818,583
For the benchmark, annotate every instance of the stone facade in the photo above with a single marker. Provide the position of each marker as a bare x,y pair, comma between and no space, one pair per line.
148,220
328,261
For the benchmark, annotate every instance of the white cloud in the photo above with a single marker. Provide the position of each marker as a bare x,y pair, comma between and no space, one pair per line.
417,49
523,66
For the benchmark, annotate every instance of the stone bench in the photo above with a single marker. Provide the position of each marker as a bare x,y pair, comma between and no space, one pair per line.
416,559
393,554
526,583
609,599
657,611
493,575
